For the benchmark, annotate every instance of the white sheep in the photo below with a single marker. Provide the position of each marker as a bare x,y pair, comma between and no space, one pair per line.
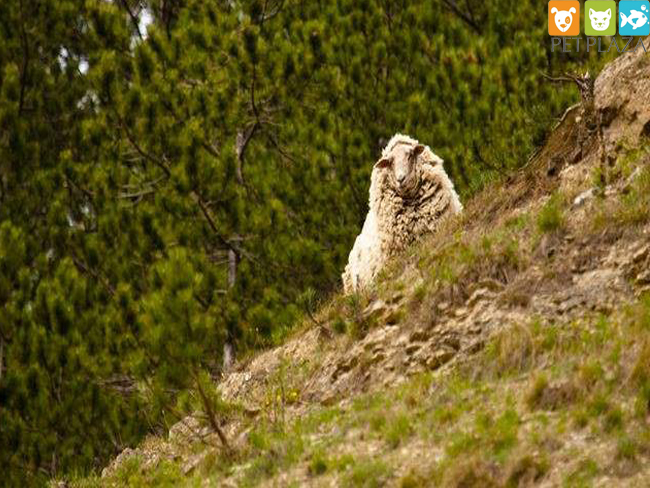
410,194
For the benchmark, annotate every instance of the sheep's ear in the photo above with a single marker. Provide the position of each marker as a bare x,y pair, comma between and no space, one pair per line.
382,163
417,150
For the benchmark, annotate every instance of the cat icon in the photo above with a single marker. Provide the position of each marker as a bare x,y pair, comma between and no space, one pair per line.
600,20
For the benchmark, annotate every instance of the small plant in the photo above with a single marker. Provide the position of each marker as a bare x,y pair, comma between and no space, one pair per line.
472,471
642,403
318,465
536,392
580,418
551,217
308,302
614,419
641,368
599,405
368,473
412,480
358,326
397,429
511,352
524,469
339,326
420,292
586,470
626,448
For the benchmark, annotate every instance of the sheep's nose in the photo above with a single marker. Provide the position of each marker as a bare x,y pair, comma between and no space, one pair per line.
401,178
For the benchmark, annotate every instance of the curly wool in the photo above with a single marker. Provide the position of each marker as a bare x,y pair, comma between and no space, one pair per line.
394,222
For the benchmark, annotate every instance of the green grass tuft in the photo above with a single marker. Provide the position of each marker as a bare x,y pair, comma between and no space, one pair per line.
551,217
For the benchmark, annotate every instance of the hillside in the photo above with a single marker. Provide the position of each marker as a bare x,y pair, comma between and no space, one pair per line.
511,349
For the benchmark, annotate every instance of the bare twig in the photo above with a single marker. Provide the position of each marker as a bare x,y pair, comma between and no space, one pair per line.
134,19
136,195
143,153
243,138
212,417
23,72
558,79
82,266
2,347
453,6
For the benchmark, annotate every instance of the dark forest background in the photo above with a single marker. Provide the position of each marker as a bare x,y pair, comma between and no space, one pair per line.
175,174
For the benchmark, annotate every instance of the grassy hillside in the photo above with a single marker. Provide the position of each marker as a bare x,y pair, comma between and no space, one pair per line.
511,349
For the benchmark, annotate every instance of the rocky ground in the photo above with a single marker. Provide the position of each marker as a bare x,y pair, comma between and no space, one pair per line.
512,349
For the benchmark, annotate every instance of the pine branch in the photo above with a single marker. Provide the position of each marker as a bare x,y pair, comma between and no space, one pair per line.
143,153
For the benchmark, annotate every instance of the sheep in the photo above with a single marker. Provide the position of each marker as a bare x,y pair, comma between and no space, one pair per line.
410,194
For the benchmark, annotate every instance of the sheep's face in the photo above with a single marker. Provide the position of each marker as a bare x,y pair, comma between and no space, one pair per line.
403,163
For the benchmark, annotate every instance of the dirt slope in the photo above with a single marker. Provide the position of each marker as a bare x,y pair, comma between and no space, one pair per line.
509,350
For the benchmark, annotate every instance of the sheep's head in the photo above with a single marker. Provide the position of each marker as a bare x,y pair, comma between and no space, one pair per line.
405,168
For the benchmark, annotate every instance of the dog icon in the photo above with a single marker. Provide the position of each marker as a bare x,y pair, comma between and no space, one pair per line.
563,18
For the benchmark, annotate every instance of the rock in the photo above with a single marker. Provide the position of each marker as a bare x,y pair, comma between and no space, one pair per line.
345,366
329,399
412,348
419,335
643,278
479,294
186,429
121,458
627,185
461,312
474,328
570,304
396,298
617,100
440,357
375,309
490,284
452,342
475,346
376,358
584,197
641,255
394,317
251,411
194,461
